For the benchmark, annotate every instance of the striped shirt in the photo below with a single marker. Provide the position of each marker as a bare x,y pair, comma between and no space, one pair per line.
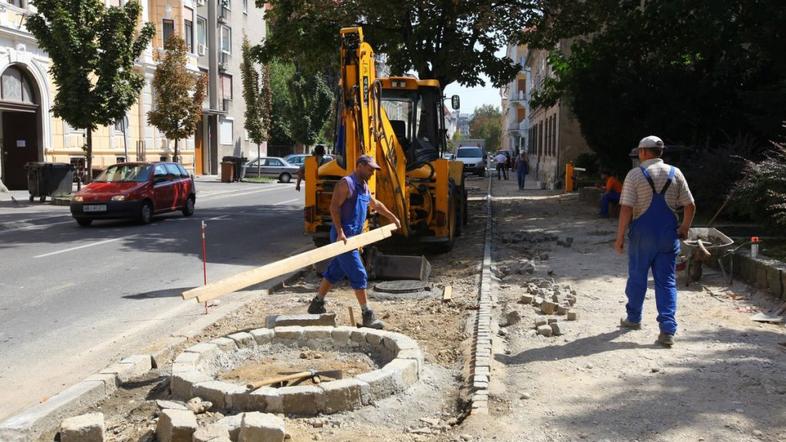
637,193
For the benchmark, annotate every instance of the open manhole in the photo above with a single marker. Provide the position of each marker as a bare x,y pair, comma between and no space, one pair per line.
408,289
328,369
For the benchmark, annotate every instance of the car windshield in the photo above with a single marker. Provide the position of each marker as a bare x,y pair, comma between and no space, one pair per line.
472,152
124,173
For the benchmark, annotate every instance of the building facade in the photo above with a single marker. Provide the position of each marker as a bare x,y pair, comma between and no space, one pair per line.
553,134
515,104
213,31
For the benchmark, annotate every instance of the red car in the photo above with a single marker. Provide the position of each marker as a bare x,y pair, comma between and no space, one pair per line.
135,191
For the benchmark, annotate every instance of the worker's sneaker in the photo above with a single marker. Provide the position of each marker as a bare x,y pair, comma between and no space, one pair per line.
370,320
666,339
317,306
624,323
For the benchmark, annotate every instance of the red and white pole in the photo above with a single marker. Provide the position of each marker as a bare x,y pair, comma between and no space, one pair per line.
204,258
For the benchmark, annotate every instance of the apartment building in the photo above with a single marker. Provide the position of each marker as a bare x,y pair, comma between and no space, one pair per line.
553,134
515,104
213,31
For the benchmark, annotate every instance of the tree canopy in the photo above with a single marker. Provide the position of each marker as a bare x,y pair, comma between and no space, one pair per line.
486,123
93,50
256,96
696,73
444,40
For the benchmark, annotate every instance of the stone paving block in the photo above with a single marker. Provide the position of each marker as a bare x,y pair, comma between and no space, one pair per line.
572,316
263,335
413,353
85,428
382,383
304,320
271,397
261,427
293,333
357,338
110,380
181,384
405,371
243,339
125,371
205,350
341,335
233,424
225,344
217,392
302,400
545,330
374,338
548,307
212,433
318,334
556,329
186,362
345,394
176,426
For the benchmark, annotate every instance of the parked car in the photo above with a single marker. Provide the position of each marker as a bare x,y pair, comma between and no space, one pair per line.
448,156
298,159
273,167
135,191
474,159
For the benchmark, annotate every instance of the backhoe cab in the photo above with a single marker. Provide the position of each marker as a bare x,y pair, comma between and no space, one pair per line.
401,122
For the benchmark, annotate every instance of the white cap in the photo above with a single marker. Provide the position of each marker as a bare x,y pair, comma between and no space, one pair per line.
651,142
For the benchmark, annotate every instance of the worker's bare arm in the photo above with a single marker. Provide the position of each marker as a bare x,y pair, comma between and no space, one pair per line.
687,221
626,214
384,211
340,193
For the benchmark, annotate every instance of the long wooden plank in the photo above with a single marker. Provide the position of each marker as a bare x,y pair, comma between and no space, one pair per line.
284,266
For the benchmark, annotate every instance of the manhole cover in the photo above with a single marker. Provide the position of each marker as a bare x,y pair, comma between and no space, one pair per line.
406,286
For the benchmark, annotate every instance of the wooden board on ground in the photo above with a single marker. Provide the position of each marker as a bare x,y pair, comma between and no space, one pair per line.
447,293
284,266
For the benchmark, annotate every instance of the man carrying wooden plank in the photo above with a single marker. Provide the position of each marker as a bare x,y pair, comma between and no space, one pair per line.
348,209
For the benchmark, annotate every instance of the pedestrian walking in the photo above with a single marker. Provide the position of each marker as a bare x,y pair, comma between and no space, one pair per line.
501,160
612,189
319,153
348,209
650,197
522,169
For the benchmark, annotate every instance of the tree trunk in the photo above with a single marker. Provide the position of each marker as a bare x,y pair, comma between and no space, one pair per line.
89,154
259,162
175,157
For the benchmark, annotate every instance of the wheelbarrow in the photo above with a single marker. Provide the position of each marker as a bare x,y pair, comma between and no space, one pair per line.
706,244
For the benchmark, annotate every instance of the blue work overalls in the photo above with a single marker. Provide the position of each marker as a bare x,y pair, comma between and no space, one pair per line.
654,245
353,216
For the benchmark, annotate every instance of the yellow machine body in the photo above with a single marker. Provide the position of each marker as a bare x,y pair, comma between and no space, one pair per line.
399,121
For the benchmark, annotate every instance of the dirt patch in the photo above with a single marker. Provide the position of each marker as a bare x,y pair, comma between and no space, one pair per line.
289,361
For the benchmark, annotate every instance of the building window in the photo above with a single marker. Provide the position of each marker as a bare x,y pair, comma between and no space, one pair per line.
245,6
15,86
188,27
201,35
17,3
225,132
226,87
169,29
226,39
121,123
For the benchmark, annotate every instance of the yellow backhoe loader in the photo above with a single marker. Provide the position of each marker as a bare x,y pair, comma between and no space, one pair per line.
401,122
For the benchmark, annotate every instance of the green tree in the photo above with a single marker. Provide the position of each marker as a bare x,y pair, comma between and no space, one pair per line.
93,49
178,94
486,123
310,100
256,97
696,73
445,40
280,76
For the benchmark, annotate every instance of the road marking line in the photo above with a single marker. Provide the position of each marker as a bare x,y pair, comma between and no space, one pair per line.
81,247
287,202
219,197
34,227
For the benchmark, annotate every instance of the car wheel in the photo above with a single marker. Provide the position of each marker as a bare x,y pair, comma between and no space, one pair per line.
84,222
188,209
146,213
285,177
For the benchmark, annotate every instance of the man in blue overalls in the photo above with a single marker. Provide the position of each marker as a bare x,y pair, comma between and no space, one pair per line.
650,197
348,209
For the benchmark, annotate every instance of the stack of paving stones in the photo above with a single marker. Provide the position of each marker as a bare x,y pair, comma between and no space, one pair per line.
550,298
194,371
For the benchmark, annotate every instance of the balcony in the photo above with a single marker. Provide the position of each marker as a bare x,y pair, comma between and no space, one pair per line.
224,58
13,17
224,15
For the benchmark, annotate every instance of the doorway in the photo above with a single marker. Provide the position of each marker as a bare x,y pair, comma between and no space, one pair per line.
199,148
20,146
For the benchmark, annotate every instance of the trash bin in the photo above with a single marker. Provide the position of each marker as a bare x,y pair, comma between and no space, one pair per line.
49,179
227,171
239,166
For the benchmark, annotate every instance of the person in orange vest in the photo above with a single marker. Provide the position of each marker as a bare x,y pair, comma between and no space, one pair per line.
612,189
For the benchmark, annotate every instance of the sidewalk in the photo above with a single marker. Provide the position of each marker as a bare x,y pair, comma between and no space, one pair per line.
723,380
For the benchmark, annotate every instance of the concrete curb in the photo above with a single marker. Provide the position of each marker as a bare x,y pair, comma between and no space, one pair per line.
46,416
480,364
192,374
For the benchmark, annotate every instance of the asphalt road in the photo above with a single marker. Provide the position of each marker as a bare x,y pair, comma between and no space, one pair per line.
74,299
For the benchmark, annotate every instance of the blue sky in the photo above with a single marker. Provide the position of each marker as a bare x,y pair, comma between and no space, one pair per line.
472,98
